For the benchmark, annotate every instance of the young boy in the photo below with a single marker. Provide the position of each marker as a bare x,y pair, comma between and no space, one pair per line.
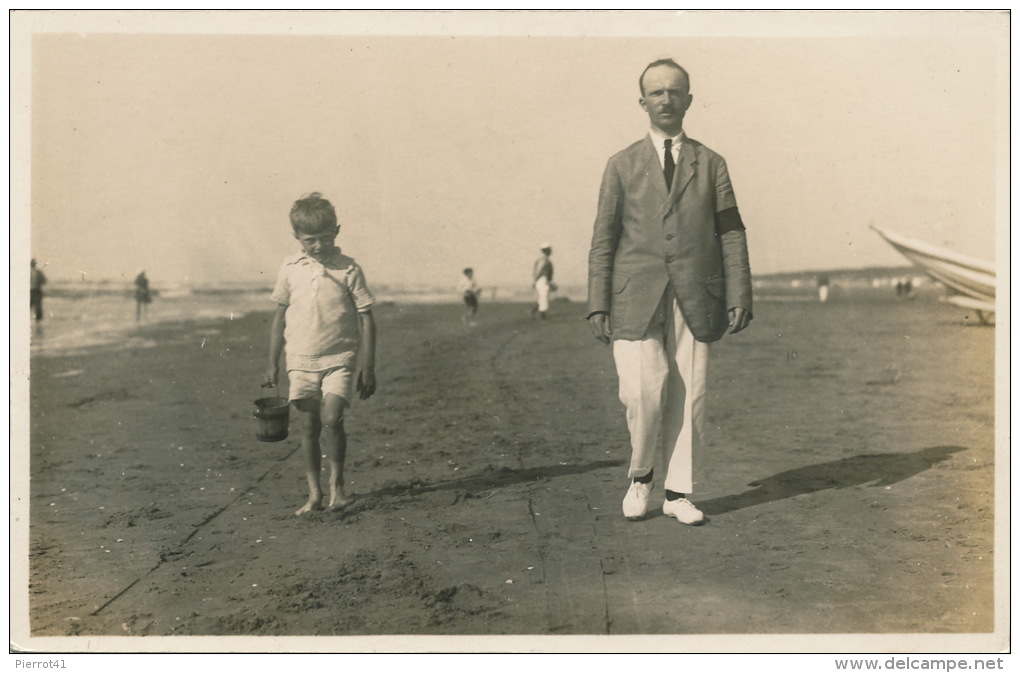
470,291
324,316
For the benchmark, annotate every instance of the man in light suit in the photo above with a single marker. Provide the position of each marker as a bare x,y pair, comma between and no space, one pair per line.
668,273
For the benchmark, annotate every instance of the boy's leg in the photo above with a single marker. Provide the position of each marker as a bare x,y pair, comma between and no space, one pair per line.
311,426
335,440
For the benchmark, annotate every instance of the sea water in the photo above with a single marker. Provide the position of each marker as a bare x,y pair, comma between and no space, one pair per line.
82,319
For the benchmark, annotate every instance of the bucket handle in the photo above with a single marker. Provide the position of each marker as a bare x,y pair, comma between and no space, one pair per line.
266,385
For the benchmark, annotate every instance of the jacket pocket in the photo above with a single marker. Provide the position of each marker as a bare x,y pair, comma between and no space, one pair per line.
716,286
620,281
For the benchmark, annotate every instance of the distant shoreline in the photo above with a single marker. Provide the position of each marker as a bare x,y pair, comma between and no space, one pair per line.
120,287
81,322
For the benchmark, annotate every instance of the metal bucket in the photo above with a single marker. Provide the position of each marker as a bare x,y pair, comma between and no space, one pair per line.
272,417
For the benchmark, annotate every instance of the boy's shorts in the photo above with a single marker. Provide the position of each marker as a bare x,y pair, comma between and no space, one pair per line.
313,385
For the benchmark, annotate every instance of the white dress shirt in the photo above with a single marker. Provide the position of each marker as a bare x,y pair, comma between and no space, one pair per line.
660,145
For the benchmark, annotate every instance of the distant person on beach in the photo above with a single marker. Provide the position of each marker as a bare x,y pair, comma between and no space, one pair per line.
904,286
542,278
36,292
324,316
142,297
823,288
470,292
668,273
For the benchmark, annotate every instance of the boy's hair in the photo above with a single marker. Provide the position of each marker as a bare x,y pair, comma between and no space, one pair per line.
468,270
312,213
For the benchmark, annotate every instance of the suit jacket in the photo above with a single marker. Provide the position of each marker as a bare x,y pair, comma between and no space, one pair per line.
690,239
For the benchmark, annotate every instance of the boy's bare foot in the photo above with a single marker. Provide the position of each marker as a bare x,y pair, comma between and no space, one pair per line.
338,502
313,505
337,497
337,494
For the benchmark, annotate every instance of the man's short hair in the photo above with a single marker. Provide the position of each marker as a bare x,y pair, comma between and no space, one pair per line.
655,64
312,213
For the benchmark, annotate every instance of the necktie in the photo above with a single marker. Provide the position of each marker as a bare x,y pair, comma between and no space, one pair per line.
668,167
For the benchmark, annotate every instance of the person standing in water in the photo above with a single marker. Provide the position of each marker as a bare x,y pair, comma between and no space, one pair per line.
142,296
36,292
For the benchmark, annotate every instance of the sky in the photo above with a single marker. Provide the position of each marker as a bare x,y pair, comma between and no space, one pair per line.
177,144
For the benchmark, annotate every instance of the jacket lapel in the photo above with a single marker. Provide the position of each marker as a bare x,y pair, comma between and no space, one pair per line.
653,169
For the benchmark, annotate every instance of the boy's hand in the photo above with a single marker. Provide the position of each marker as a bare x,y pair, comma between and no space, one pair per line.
366,383
270,379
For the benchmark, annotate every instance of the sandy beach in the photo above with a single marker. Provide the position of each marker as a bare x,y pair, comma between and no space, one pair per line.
848,483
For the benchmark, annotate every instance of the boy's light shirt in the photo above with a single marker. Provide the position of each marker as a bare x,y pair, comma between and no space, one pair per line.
323,301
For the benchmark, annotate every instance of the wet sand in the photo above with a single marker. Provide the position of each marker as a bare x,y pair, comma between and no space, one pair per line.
848,482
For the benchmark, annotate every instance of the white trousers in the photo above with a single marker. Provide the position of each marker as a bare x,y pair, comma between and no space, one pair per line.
542,288
662,385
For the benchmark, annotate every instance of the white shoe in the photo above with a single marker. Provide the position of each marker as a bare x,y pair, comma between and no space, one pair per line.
684,511
635,503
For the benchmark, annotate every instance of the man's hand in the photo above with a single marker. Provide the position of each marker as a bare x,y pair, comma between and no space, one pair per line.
599,324
739,319
270,378
366,383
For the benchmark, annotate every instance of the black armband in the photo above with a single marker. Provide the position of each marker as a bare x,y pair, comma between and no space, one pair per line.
728,220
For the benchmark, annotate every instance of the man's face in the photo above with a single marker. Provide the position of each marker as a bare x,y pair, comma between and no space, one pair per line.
319,244
666,98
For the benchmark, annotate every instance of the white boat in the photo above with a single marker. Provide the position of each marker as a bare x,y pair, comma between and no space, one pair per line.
970,280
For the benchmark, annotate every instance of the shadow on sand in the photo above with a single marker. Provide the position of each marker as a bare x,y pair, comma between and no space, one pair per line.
881,468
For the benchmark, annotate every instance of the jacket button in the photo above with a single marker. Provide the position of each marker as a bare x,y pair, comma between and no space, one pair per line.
670,237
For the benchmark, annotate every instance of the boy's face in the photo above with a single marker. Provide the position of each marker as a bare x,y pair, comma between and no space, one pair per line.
318,244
